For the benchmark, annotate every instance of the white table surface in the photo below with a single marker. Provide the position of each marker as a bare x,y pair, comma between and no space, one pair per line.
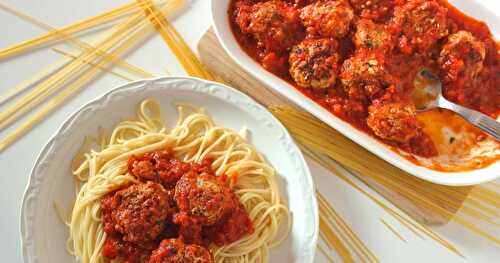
16,162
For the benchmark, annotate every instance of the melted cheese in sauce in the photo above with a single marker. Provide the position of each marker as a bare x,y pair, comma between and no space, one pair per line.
461,146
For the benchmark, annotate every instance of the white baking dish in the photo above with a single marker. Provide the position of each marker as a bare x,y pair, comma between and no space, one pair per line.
471,7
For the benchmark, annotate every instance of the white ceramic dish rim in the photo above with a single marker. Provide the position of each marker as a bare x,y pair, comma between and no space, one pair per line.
226,38
30,190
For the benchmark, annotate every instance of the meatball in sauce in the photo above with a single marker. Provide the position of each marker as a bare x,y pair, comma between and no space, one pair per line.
395,121
176,251
329,18
274,24
420,24
373,9
203,197
365,76
370,35
360,60
461,58
138,212
313,63
182,203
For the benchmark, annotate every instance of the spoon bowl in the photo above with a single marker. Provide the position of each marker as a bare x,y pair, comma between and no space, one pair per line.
428,95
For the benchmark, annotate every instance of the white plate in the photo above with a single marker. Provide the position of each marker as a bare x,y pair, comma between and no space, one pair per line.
226,37
44,235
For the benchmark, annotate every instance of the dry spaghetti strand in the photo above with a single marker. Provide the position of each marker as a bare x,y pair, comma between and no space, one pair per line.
412,225
176,43
440,200
73,28
55,81
345,232
72,56
134,34
325,253
79,44
33,80
393,230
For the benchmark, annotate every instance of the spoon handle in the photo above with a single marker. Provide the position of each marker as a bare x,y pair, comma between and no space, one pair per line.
476,118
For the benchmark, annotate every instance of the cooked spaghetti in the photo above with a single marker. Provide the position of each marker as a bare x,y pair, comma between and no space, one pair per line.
125,208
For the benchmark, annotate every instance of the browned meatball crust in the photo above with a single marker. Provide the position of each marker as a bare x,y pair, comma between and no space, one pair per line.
175,251
462,57
138,212
373,9
372,36
330,18
203,197
313,63
365,76
274,24
420,24
394,121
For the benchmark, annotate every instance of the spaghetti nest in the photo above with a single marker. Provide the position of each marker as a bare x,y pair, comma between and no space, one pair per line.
194,138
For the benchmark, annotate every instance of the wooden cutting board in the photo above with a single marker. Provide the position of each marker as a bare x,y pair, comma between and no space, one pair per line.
217,60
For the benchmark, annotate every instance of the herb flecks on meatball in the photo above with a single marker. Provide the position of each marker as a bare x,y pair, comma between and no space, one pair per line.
420,23
160,167
313,63
395,122
176,251
203,197
365,76
327,18
372,36
461,58
138,212
373,9
274,24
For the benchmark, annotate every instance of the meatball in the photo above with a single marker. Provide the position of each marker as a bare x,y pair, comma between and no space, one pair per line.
461,57
203,197
143,169
373,9
114,247
372,36
302,3
420,24
274,24
313,63
175,251
138,212
365,76
393,121
159,166
327,18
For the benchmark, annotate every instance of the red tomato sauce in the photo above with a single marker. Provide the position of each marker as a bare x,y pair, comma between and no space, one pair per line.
378,69
183,202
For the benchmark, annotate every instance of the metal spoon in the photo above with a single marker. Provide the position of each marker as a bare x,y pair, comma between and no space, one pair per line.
429,95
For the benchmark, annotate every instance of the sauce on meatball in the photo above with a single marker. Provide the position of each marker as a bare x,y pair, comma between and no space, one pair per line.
172,199
394,121
208,211
274,24
420,24
372,36
203,197
137,212
373,9
381,46
176,251
365,76
461,58
329,18
313,63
